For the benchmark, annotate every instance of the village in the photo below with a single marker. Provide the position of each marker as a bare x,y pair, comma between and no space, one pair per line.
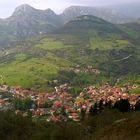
89,69
61,105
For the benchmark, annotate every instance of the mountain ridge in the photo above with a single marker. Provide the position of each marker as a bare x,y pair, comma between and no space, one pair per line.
27,8
101,12
27,22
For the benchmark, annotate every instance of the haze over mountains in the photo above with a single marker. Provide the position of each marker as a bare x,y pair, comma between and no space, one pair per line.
27,21
131,10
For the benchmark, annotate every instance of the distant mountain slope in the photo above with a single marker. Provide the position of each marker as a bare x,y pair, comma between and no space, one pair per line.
88,22
24,12
27,22
104,13
131,10
133,31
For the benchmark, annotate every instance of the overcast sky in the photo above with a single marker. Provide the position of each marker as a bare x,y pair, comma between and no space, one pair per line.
8,6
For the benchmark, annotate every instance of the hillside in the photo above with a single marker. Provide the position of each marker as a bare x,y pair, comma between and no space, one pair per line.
123,128
110,124
83,42
107,43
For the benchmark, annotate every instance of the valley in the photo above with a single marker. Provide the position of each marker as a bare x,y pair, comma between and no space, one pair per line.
70,76
84,41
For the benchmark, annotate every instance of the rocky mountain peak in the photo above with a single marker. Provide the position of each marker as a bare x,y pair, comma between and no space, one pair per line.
22,9
50,12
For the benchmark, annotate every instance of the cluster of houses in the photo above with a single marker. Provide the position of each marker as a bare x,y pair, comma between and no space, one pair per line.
89,69
60,105
106,94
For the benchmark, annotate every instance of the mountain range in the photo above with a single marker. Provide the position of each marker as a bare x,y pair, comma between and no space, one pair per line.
27,21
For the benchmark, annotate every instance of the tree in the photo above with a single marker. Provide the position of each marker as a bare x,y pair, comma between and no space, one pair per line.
101,105
116,104
63,111
17,104
93,109
27,103
83,113
123,105
137,106
91,112
109,104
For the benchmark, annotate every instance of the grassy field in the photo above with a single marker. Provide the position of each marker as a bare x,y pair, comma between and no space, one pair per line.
28,72
42,62
98,42
108,42
32,71
51,44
